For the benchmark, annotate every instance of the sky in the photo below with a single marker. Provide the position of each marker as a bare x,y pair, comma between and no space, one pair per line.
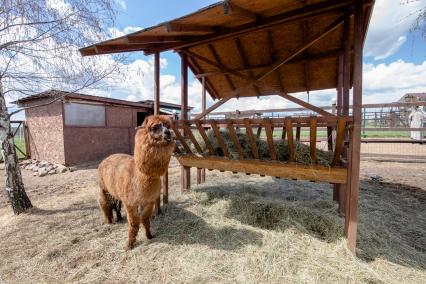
394,57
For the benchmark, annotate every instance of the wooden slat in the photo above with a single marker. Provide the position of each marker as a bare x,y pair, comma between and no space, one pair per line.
298,133
192,138
291,148
270,139
259,131
205,138
330,138
313,140
341,127
219,139
251,139
283,133
180,138
268,168
234,138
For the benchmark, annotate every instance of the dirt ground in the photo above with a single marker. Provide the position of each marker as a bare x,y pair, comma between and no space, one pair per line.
232,229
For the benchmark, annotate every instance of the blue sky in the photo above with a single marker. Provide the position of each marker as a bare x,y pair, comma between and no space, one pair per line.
394,58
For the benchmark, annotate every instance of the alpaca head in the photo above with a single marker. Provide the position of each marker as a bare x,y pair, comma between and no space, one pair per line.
155,131
154,145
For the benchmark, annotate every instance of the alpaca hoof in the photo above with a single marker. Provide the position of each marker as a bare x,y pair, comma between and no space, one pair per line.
130,246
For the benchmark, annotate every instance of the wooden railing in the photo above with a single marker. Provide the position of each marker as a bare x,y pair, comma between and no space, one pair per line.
190,151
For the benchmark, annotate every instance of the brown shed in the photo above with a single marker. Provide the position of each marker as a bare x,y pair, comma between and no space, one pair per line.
78,128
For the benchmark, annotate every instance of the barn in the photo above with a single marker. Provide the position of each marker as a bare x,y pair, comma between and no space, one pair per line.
72,128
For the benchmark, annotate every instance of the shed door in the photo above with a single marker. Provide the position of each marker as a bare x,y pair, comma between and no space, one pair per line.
140,118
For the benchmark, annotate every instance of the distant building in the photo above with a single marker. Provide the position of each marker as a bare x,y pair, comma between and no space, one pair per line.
413,97
79,128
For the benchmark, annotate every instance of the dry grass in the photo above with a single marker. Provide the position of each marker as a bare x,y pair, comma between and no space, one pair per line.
233,229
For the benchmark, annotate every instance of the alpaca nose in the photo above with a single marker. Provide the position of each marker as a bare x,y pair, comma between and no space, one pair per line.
167,133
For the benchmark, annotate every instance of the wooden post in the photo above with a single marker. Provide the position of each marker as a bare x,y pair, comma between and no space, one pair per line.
26,140
185,171
157,112
351,208
339,189
201,173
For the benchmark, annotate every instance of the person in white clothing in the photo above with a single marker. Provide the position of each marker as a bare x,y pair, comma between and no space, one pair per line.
416,119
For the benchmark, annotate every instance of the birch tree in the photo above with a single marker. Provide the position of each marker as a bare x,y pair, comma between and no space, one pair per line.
39,41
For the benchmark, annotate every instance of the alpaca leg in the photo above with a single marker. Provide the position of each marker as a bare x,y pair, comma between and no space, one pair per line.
106,206
146,215
134,221
117,209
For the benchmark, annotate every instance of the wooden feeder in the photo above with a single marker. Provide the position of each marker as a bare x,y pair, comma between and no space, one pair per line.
244,48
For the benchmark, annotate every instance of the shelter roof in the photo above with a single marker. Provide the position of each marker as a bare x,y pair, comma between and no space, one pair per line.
285,45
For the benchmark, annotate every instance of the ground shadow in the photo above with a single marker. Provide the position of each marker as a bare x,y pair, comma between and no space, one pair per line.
69,209
179,226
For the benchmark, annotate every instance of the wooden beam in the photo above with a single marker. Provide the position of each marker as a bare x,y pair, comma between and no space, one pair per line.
219,139
234,139
156,83
291,148
231,9
212,108
188,28
217,58
313,140
341,127
268,168
250,136
346,65
351,208
270,138
209,86
185,171
143,39
305,104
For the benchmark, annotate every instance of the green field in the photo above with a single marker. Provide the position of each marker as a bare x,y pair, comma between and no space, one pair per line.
20,143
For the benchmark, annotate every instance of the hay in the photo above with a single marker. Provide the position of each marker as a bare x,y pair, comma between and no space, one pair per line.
233,229
302,151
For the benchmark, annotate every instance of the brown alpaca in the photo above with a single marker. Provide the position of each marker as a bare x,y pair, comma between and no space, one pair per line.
135,181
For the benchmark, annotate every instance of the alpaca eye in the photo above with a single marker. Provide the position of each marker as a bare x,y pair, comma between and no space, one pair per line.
156,127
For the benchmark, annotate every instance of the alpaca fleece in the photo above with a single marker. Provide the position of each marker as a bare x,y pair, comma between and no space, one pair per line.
135,181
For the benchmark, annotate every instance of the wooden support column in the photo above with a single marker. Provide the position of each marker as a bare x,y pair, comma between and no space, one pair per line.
157,112
201,173
185,171
351,208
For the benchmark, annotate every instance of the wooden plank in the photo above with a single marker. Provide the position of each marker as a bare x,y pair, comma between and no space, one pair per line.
330,138
340,136
250,136
135,39
219,138
270,139
212,108
27,141
313,140
188,28
268,168
205,138
180,138
346,65
192,138
234,139
259,131
291,148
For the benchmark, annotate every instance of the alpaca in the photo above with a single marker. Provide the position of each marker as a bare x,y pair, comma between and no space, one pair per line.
135,181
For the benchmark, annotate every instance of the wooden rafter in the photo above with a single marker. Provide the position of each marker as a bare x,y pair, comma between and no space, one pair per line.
271,47
288,17
313,39
245,62
299,60
233,10
209,86
260,84
212,108
135,39
306,77
217,58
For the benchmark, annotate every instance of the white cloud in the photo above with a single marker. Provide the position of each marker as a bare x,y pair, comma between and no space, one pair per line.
116,32
390,23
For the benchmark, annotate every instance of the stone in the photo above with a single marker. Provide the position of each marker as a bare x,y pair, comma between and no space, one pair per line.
61,169
36,173
52,172
42,172
72,169
44,163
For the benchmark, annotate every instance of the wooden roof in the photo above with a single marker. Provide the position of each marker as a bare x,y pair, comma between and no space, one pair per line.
253,48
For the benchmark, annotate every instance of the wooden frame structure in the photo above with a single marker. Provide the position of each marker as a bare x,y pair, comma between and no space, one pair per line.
243,48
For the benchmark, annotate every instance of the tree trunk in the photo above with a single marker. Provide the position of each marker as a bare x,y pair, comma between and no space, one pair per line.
14,186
